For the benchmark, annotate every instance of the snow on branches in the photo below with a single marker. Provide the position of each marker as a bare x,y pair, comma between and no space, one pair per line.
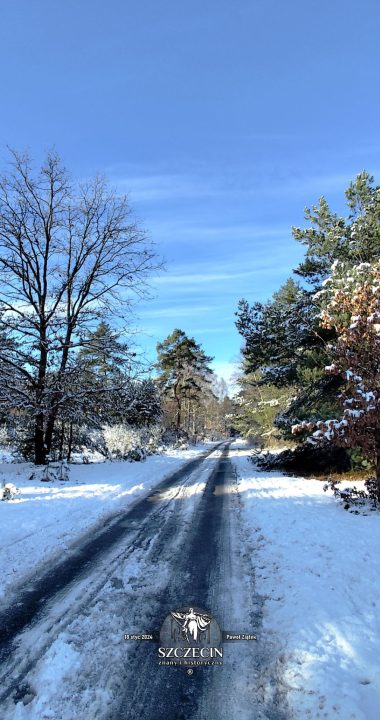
350,304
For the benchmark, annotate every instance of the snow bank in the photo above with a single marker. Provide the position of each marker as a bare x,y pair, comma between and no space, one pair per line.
47,517
318,570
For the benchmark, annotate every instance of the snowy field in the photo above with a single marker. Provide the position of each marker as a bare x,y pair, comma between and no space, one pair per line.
47,517
318,573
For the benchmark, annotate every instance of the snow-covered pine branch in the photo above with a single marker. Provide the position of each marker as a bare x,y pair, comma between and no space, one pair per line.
350,303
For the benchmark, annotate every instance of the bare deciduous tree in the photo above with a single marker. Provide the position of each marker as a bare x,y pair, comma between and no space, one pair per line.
70,255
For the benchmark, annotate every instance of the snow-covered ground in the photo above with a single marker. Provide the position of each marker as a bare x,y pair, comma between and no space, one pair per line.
314,603
318,574
45,518
74,662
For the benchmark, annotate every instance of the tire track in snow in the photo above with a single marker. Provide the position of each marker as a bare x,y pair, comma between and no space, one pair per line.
82,574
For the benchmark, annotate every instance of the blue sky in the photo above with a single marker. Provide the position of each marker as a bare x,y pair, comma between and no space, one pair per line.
222,120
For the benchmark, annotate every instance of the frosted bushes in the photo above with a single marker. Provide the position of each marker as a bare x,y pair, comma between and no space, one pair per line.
124,442
120,440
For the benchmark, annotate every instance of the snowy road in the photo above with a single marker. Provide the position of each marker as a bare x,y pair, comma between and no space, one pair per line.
264,553
83,557
64,655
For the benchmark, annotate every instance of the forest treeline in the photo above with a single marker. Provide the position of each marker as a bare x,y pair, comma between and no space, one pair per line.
73,260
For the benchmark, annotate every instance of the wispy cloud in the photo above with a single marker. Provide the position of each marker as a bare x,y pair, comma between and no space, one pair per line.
169,187
174,234
206,275
203,278
153,187
312,185
177,312
241,231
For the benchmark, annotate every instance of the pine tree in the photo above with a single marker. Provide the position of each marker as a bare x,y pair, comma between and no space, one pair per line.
184,373
138,404
350,303
103,352
256,407
330,237
284,338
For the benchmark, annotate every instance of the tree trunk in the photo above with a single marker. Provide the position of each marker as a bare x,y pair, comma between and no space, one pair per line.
378,475
178,418
178,401
57,396
50,430
70,442
40,449
39,441
61,441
